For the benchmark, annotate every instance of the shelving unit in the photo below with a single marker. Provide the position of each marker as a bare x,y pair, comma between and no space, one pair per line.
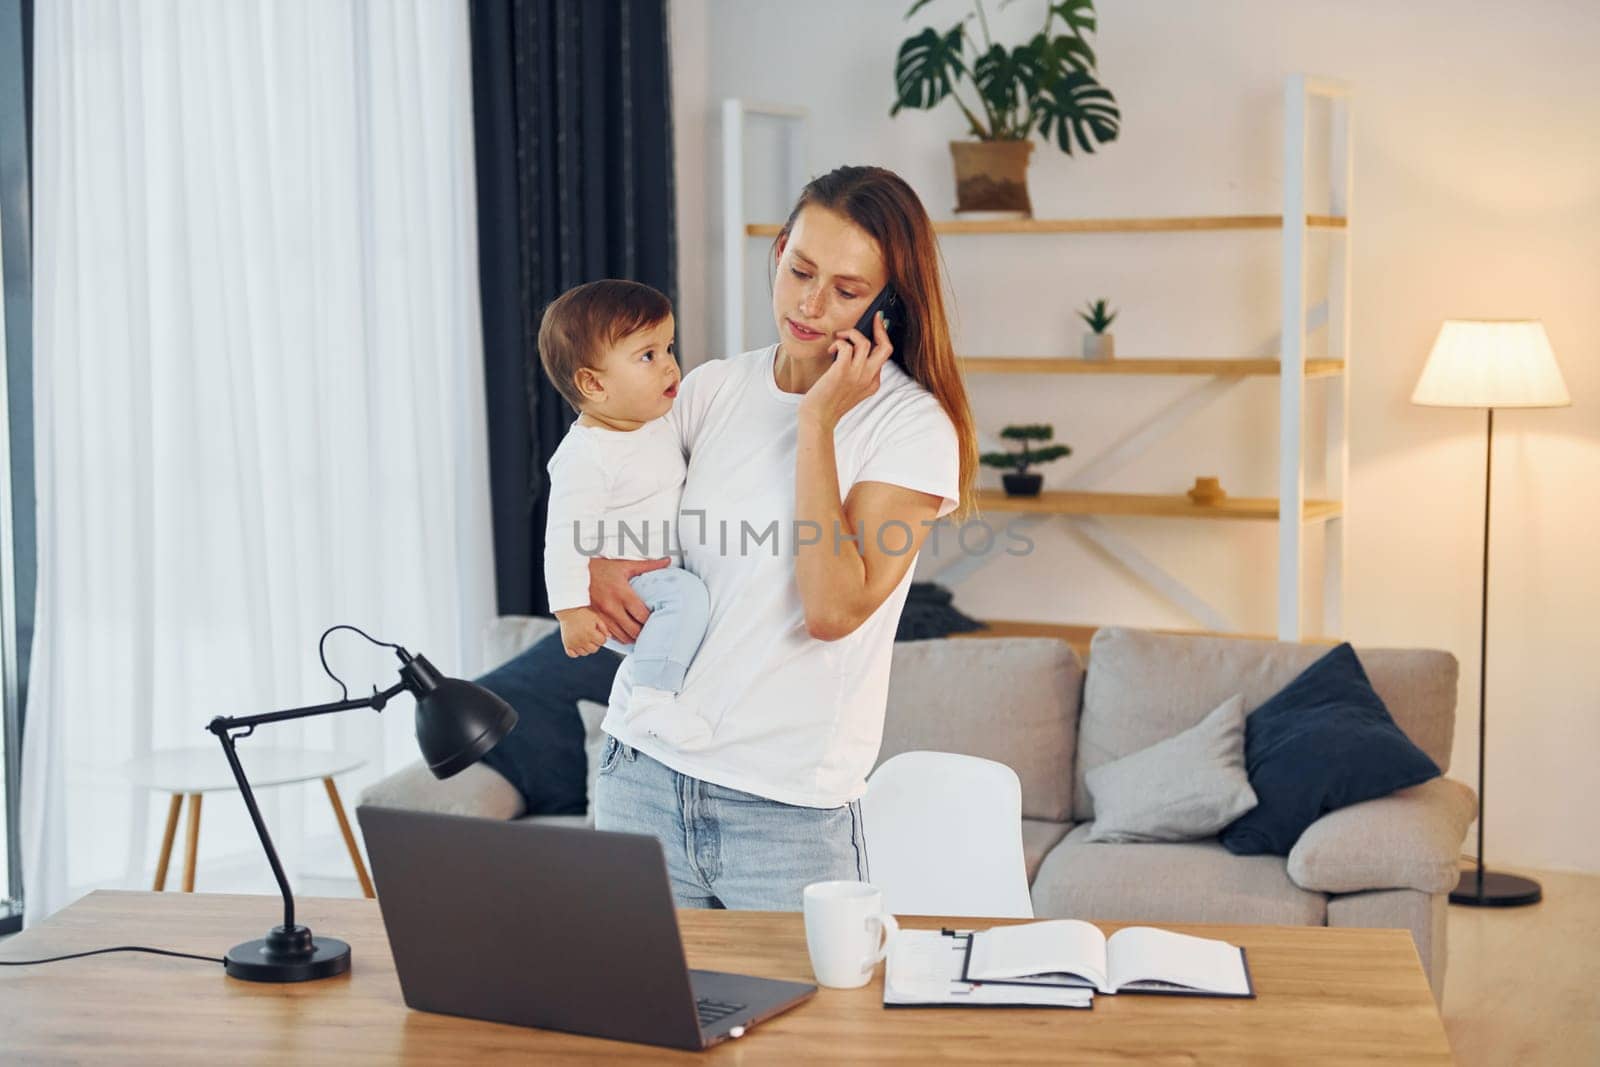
1220,368
1080,637
1151,505
1080,502
959,227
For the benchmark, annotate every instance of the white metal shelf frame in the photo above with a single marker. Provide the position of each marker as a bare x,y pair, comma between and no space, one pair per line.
1297,322
734,115
1298,92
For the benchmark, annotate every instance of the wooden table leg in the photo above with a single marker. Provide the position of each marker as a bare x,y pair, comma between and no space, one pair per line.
349,838
193,845
166,841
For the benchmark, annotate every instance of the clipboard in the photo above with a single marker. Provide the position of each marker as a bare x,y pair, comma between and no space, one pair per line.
959,993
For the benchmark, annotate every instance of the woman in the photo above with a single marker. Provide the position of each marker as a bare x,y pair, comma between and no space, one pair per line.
816,469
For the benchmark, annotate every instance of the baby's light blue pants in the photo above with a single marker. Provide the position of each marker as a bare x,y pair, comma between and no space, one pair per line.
680,610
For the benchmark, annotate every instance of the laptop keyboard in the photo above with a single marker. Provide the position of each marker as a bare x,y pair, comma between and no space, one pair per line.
713,1011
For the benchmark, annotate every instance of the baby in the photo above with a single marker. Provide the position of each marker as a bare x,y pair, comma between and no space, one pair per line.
615,485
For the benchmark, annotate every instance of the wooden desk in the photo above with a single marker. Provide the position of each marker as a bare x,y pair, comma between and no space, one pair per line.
1324,995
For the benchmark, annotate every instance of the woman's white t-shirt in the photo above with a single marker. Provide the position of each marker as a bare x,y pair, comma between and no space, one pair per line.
793,718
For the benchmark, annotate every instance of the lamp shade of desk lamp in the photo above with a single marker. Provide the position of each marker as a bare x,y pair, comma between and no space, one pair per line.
1490,363
457,722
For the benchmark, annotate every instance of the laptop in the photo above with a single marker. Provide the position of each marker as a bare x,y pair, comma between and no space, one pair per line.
557,927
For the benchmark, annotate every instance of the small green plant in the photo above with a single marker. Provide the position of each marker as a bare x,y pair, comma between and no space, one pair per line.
1028,457
1048,85
1098,314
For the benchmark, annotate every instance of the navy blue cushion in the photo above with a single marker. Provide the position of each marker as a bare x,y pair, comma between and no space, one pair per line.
543,754
1323,742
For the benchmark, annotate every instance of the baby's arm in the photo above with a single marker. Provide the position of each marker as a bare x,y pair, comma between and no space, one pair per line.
579,489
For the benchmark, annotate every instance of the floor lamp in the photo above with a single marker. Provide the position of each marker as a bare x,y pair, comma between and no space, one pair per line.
1478,363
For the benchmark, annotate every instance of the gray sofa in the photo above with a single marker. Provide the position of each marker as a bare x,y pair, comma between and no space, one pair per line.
1030,703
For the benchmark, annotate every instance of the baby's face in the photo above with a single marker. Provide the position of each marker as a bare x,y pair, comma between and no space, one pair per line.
640,374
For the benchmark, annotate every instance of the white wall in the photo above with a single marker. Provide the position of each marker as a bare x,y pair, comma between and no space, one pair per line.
1477,194
693,139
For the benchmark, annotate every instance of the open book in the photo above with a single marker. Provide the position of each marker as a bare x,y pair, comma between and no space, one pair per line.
1136,959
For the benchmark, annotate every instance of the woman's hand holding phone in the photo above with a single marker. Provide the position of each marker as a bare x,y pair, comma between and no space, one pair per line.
853,376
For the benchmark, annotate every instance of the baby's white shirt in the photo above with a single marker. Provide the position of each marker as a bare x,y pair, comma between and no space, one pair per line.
613,493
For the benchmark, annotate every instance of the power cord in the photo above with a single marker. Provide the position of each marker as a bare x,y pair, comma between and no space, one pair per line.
119,948
322,655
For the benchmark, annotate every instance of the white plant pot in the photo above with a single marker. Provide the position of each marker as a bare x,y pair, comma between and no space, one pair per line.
1099,346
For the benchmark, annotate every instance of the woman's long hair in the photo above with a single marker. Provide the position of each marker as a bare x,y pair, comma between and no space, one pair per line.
881,203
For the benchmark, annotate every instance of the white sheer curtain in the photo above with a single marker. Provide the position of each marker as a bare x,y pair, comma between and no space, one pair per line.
259,404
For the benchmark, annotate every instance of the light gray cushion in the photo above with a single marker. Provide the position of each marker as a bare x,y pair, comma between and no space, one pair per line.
1144,687
594,744
1039,836
1013,700
1187,787
1191,881
506,637
1410,839
478,790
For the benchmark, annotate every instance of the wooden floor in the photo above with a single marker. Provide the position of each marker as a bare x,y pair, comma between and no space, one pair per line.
1522,985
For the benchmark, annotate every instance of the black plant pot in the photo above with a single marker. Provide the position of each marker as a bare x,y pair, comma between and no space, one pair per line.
1022,484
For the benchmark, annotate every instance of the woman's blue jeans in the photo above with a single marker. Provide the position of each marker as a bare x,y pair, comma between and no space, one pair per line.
725,848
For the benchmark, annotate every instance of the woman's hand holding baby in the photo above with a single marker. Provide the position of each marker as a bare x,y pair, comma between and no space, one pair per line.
583,633
852,378
613,599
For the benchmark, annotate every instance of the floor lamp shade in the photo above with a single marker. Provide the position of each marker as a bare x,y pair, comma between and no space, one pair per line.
1484,363
1488,364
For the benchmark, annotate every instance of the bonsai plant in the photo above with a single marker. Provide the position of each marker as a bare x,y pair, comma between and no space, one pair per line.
1020,481
1098,344
1047,85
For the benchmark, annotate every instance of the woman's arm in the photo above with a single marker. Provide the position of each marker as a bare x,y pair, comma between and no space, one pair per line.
868,541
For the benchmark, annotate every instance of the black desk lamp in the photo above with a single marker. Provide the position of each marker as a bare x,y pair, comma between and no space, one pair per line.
457,722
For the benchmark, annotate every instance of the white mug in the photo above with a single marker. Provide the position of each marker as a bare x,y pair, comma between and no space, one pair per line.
843,923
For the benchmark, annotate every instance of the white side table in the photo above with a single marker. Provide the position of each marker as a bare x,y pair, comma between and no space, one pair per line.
193,772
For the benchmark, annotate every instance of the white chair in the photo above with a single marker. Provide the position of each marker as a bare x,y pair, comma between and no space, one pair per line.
944,836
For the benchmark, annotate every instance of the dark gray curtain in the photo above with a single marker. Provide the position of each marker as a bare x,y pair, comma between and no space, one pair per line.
573,121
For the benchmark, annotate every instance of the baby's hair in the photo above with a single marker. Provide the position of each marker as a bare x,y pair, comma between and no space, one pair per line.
588,318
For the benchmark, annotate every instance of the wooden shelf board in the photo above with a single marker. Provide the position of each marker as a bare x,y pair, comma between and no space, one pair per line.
1125,225
1057,502
1315,368
1080,635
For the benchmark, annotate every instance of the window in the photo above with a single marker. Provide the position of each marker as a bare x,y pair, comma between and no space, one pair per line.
17,558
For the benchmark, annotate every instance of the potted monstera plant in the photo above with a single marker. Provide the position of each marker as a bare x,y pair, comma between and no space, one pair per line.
1019,480
1047,85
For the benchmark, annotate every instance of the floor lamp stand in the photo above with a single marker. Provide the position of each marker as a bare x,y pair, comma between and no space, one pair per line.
1479,887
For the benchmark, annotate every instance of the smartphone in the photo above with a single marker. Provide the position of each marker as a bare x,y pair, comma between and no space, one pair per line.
888,302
